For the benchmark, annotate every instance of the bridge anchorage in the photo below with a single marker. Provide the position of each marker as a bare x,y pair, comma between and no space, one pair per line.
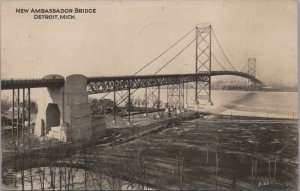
67,114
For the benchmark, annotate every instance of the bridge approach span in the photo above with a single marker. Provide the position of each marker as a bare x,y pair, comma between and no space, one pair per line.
116,83
7,84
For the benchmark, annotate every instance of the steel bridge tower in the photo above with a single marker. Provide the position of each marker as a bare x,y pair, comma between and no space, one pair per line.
175,96
153,98
203,63
251,70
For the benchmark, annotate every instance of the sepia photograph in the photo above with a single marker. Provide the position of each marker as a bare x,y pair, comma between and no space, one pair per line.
149,95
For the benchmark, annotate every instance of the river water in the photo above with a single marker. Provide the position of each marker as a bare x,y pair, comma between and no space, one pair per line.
248,103
252,103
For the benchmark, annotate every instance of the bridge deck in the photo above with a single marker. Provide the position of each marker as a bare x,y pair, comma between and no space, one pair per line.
30,83
115,83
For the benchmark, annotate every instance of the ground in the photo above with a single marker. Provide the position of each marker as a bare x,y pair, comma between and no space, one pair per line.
240,139
182,152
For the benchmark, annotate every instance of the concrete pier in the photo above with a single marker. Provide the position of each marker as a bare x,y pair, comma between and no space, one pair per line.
65,114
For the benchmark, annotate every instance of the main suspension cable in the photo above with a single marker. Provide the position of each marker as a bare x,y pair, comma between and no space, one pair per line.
164,51
218,62
163,66
222,50
149,63
174,57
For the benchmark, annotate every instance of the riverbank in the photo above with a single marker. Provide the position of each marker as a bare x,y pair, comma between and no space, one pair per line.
181,152
237,139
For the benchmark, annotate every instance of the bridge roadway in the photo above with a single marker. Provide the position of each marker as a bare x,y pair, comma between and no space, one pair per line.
117,83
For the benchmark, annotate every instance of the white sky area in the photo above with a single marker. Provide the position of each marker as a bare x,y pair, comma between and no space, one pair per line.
125,35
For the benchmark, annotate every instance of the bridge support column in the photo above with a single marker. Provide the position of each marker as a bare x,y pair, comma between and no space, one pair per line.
115,104
203,63
66,112
129,105
29,111
13,116
23,115
18,119
13,130
175,97
154,98
146,102
158,102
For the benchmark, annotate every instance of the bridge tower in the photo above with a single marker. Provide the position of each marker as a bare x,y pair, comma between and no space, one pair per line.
203,63
251,70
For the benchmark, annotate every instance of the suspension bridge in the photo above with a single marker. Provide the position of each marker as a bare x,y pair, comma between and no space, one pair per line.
70,95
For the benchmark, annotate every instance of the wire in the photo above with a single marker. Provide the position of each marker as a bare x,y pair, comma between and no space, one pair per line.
215,58
222,49
164,51
218,62
244,68
174,57
162,67
157,56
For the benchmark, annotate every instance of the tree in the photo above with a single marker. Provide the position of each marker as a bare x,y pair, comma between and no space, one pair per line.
206,151
6,104
98,172
94,106
219,154
144,102
157,103
180,166
129,104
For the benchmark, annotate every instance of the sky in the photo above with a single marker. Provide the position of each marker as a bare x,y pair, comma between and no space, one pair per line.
123,36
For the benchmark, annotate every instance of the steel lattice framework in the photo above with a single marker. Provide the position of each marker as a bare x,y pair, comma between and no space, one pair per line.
116,83
203,63
120,96
251,69
153,99
175,95
30,83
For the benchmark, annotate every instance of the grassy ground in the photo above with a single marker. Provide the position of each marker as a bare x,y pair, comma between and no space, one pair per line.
236,139
185,151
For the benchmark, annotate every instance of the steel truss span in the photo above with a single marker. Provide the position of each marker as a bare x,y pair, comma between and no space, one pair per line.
30,83
116,83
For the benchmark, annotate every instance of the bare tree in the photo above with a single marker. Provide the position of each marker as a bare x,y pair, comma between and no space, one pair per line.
141,162
254,167
30,164
6,104
269,163
98,171
180,165
275,168
206,151
218,155
180,168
